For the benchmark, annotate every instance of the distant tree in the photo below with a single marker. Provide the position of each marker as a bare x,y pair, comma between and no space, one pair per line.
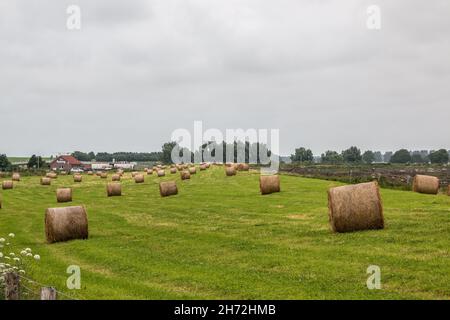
81,156
368,157
417,157
167,152
4,162
91,156
35,162
387,156
302,155
331,157
352,154
378,156
104,157
439,157
401,156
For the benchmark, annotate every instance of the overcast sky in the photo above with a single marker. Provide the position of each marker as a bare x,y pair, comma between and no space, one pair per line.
138,70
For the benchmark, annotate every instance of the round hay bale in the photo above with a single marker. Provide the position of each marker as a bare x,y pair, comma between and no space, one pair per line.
207,165
243,167
77,178
139,178
115,177
90,173
149,172
426,184
64,194
134,173
15,177
7,184
185,175
173,170
202,167
51,175
168,188
161,173
63,173
113,189
45,181
355,207
62,224
269,184
192,170
104,175
230,171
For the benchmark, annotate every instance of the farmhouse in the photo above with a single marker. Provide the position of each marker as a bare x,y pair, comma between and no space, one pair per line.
66,163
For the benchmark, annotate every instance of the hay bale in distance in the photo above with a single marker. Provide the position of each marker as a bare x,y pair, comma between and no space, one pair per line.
230,171
355,207
173,170
202,167
185,175
161,173
243,167
7,184
149,172
15,177
113,189
64,194
168,188
62,224
192,170
139,178
115,177
45,181
90,173
51,175
269,184
134,173
426,184
77,178
103,175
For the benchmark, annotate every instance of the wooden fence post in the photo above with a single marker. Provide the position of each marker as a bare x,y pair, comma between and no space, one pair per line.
12,282
48,293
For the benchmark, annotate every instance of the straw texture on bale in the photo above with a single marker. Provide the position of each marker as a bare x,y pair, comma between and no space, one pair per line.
269,184
426,184
113,189
16,177
168,188
173,170
355,207
185,175
64,194
77,178
161,173
46,181
62,224
139,178
192,170
230,171
115,177
8,184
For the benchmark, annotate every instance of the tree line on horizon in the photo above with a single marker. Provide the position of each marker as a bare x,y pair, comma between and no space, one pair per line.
354,155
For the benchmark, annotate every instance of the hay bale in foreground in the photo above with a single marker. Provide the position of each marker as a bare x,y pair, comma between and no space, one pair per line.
185,175
114,189
62,224
230,171
77,178
173,170
15,177
46,181
115,177
269,184
8,184
139,178
192,170
355,207
64,194
161,173
168,188
426,184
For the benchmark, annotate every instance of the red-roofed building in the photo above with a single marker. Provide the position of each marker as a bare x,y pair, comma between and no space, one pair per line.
66,163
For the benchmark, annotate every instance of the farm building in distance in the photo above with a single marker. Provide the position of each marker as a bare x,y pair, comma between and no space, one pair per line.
66,163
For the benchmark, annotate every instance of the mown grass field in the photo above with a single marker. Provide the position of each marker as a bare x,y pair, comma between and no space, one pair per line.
220,239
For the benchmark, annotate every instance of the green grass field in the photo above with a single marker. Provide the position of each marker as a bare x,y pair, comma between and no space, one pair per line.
220,239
